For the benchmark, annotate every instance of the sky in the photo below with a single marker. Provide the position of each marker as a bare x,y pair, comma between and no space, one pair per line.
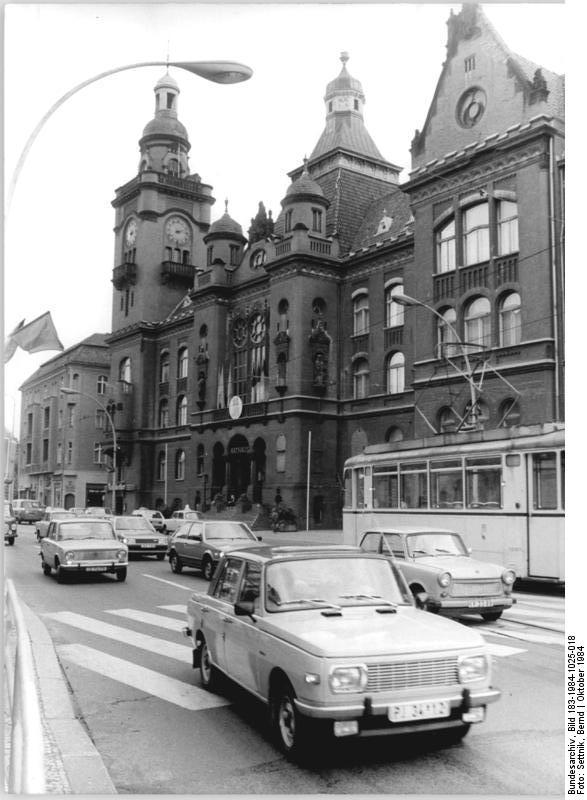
59,244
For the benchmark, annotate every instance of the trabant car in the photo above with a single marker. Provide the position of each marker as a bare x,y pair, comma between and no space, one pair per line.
439,570
83,544
177,519
9,521
330,639
50,515
202,543
27,511
140,536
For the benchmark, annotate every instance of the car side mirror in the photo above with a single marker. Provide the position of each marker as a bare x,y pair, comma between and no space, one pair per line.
421,599
470,550
244,608
260,538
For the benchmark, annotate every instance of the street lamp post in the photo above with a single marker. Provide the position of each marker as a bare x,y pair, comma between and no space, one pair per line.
65,390
216,71
406,300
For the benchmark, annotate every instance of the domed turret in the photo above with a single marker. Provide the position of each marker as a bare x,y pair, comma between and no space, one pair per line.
164,143
304,185
344,82
304,204
225,240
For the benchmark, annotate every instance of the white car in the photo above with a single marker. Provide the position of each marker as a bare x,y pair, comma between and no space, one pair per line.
179,517
50,514
156,518
83,544
140,536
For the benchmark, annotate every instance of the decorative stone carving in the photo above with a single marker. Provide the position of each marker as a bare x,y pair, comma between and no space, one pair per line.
539,90
261,225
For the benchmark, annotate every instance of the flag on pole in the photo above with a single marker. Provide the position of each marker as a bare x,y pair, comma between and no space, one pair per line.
40,334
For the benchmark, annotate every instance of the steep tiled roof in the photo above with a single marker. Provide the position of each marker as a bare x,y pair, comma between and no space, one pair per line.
346,131
387,217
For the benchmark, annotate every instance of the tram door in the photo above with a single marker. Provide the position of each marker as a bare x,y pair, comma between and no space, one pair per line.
545,523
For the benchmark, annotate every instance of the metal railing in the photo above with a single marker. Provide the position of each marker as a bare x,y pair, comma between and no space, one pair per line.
26,773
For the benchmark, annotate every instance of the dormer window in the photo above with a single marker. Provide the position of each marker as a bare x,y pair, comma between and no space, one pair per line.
258,259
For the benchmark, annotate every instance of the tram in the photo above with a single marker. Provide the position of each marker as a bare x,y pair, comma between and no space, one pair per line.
502,489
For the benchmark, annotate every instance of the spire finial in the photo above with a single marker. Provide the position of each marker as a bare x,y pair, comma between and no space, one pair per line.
167,58
305,170
344,57
226,205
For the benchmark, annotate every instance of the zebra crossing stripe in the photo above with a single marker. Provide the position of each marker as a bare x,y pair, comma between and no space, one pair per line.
157,620
145,680
179,652
170,583
175,609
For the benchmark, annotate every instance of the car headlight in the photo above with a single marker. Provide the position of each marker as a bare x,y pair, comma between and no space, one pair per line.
472,668
123,539
121,555
348,679
444,579
508,577
69,556
13,526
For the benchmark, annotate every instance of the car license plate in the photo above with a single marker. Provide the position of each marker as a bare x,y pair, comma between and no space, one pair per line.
406,712
143,546
481,603
95,569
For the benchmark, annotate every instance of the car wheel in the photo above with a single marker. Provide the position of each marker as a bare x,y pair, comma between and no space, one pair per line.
11,540
290,728
207,569
121,574
491,616
160,556
46,567
208,672
175,563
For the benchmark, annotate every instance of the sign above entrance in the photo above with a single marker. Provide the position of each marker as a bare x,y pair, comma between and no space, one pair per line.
235,407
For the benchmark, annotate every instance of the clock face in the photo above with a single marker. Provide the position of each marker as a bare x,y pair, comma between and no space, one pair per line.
239,332
177,230
471,107
130,235
257,328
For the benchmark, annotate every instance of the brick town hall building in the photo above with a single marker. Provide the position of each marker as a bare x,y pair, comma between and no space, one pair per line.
231,355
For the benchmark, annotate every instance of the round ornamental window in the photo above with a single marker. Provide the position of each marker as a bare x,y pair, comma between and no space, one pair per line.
239,332
471,107
257,329
258,259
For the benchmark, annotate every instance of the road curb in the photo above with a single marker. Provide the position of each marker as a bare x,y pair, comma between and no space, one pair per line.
81,763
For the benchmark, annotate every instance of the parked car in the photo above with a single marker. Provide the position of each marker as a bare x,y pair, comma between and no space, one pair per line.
177,519
329,638
80,544
27,511
202,543
140,536
50,515
156,518
97,511
10,532
439,569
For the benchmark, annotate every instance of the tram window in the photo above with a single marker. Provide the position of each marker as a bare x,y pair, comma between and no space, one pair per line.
360,488
544,472
483,482
370,542
348,488
414,485
385,493
446,484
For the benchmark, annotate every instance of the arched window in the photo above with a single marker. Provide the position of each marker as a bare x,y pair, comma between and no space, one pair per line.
101,384
164,367
182,410
394,312
163,414
180,465
507,227
182,362
360,378
396,373
445,247
447,334
509,412
510,322
447,420
478,322
481,415
476,234
394,434
124,370
200,459
161,466
361,314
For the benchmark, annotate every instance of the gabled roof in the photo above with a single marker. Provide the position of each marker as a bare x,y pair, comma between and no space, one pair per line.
388,217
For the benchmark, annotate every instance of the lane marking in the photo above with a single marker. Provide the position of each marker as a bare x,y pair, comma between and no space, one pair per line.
157,620
171,583
145,680
535,638
179,652
175,609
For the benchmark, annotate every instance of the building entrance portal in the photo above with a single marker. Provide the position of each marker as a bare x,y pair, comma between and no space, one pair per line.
238,466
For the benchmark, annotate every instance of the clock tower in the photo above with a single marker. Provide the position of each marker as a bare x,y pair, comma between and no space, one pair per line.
162,215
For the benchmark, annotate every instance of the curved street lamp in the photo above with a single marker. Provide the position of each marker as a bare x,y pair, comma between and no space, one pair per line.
406,300
65,390
216,71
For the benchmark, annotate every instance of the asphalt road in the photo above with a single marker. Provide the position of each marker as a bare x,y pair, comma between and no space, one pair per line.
129,668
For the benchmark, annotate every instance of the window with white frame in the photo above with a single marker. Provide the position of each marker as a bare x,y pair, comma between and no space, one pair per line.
447,334
98,452
361,314
101,384
360,378
163,414
161,466
510,321
478,322
164,367
507,227
124,370
100,419
476,234
59,453
182,410
396,373
69,456
182,362
180,465
446,247
394,312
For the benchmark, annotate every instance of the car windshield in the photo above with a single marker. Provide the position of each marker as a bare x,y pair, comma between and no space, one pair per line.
228,530
435,544
86,530
60,515
191,515
133,524
333,582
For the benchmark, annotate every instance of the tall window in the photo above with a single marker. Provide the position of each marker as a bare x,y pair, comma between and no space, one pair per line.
396,373
182,410
445,247
69,456
280,447
164,367
394,312
180,465
361,314
316,220
163,414
360,378
288,220
161,466
46,416
124,370
182,362
507,227
510,323
70,415
447,334
476,233
200,459
101,384
478,322
59,455
100,419
97,452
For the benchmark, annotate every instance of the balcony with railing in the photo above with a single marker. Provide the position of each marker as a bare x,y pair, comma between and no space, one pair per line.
505,269
474,277
360,343
393,336
124,275
178,273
